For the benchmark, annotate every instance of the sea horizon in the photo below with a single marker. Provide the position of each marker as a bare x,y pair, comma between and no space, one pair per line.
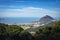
17,20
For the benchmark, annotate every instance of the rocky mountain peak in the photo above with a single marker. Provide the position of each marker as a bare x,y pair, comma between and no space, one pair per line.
46,19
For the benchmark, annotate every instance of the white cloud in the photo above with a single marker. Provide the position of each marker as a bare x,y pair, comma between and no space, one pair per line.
28,12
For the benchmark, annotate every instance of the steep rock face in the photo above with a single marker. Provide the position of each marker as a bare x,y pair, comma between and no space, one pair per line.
46,19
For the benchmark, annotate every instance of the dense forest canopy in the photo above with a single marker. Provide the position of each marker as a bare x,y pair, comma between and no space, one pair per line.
15,32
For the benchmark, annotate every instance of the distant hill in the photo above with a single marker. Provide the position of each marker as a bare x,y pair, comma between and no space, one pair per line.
37,28
46,19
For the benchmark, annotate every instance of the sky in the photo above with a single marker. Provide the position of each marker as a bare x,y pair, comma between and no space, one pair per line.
29,8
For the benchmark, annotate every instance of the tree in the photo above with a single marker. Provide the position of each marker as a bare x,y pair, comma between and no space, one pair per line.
50,32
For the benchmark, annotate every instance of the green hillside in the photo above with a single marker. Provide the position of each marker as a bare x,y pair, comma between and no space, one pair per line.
37,28
47,32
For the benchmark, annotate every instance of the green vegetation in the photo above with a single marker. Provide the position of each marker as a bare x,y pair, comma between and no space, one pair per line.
51,32
14,32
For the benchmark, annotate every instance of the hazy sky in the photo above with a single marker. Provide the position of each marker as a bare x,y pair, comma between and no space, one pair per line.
29,8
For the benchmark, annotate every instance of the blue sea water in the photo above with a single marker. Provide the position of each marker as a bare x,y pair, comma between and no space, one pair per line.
9,20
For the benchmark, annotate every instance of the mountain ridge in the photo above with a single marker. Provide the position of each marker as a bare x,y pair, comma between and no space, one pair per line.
46,19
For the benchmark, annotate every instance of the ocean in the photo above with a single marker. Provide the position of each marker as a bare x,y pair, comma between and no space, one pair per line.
9,20
16,20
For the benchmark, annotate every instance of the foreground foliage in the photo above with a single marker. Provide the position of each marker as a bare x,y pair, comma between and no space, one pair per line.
49,32
14,32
